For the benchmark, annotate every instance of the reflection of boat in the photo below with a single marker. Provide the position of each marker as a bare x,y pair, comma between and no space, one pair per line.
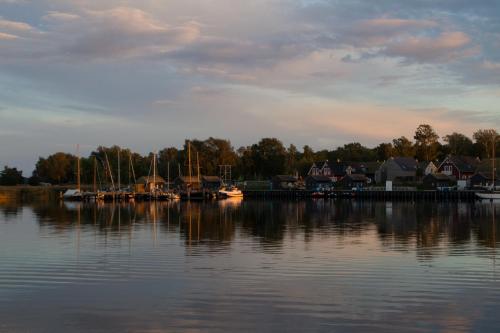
231,202
231,192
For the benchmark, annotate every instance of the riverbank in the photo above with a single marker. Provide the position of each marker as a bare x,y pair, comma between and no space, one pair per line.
24,193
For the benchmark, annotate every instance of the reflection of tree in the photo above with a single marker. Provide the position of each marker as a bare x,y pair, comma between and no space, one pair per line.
428,228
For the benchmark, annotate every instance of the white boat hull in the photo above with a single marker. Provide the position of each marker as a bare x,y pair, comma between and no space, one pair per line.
231,194
489,196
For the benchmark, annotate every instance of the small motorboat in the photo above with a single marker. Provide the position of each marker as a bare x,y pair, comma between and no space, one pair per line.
231,192
71,194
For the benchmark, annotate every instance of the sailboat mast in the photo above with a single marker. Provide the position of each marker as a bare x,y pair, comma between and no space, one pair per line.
78,167
198,166
154,171
95,175
493,161
189,162
119,176
168,176
109,169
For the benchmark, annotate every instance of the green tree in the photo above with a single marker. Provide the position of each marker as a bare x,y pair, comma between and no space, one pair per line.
11,176
485,138
458,144
384,151
426,142
57,168
403,147
269,157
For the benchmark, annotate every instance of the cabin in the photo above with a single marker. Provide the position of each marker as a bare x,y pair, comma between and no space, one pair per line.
184,183
318,183
462,167
425,168
334,170
284,182
438,181
149,183
483,175
397,170
366,168
354,180
211,183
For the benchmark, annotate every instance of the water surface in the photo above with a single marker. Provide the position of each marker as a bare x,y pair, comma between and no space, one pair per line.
280,266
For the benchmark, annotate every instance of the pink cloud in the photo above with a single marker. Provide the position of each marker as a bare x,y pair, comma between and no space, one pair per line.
445,47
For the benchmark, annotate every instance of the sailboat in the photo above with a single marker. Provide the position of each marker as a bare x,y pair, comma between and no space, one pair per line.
75,194
491,193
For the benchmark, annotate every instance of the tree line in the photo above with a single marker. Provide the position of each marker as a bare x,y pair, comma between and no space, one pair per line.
261,160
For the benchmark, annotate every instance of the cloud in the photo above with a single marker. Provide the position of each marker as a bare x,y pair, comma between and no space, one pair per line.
443,48
14,25
5,36
125,32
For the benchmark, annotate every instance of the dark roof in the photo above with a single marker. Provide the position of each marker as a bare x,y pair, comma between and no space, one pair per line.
186,179
357,177
424,164
211,179
406,163
364,167
338,168
285,178
150,179
464,163
485,166
320,179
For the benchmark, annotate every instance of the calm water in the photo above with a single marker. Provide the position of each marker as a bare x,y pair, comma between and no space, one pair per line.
250,266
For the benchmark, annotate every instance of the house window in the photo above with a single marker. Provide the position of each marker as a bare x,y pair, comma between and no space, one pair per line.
448,170
326,171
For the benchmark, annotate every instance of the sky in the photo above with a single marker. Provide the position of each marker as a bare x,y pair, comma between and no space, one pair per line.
147,74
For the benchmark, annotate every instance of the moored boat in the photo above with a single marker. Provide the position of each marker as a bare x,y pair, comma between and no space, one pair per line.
231,192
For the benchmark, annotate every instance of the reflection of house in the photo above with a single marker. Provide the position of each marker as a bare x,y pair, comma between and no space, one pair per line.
397,169
148,183
318,183
354,180
284,182
211,183
462,167
185,182
434,181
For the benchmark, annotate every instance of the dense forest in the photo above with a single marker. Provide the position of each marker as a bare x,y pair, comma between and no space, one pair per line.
261,160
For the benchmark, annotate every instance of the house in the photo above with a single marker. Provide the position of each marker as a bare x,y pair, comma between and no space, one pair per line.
284,182
462,167
318,183
334,170
397,169
354,180
211,183
434,181
321,168
149,183
366,168
483,175
185,182
425,168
